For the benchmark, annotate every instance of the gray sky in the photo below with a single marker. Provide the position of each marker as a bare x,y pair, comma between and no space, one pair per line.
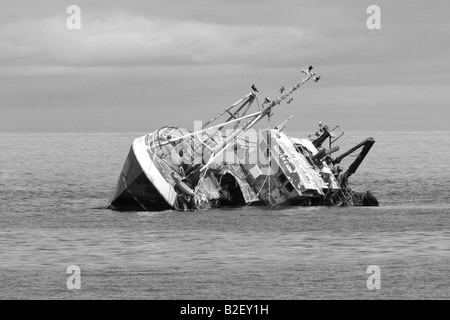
141,65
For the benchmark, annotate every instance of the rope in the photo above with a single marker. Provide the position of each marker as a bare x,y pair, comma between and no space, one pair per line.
260,189
270,166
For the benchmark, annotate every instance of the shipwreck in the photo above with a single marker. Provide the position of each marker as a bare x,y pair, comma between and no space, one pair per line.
227,162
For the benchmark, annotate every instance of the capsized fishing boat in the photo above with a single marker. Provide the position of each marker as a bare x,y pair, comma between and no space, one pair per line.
226,162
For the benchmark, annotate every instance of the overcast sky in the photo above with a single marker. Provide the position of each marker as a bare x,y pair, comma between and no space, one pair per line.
139,65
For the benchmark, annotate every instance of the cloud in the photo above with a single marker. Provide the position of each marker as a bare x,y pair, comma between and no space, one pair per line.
125,40
201,52
257,33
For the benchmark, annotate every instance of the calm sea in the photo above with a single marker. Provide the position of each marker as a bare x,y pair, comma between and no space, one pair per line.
53,189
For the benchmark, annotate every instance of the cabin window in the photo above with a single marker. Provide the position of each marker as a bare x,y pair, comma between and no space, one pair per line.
305,152
299,149
282,178
289,187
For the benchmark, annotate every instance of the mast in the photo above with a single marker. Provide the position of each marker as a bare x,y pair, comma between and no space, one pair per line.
220,148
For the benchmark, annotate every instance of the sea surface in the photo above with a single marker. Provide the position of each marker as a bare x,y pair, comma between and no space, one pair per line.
54,187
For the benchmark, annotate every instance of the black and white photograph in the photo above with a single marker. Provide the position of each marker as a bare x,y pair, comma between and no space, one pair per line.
224,155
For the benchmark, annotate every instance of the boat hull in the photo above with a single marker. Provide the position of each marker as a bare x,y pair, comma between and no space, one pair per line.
141,187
